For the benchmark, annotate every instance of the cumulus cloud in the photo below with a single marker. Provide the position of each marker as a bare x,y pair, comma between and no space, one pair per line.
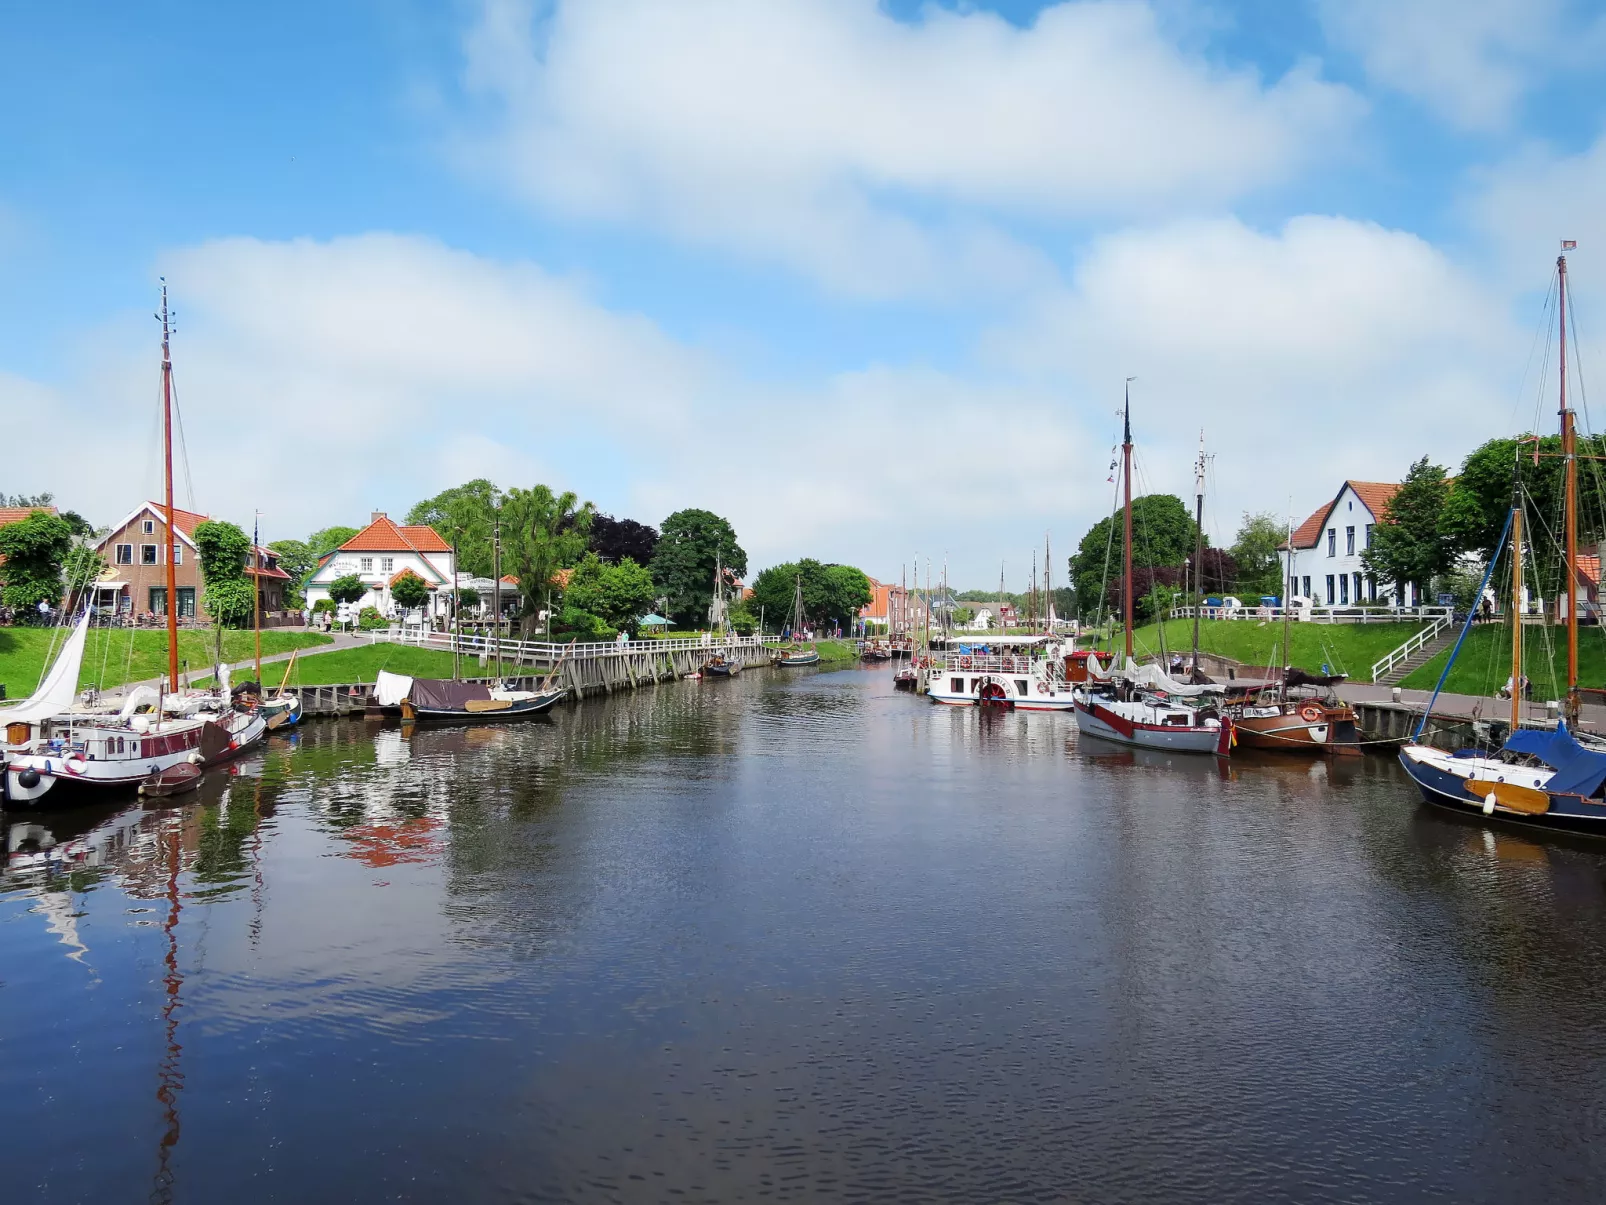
829,137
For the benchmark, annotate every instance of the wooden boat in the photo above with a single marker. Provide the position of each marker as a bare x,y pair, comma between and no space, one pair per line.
807,656
175,780
442,700
906,679
719,666
875,650
794,624
1300,714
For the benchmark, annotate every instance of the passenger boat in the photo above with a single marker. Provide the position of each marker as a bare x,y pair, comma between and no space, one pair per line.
1027,677
1538,778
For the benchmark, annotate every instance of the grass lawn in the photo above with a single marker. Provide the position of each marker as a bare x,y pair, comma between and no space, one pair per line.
1485,661
1350,648
113,656
363,665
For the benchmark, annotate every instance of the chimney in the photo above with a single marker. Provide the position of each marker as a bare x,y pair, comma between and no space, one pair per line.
375,516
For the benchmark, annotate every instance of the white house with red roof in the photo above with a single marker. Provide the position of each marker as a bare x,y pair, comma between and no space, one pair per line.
1326,563
379,555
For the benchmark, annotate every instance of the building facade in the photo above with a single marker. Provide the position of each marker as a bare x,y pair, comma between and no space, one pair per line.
1325,565
135,580
378,556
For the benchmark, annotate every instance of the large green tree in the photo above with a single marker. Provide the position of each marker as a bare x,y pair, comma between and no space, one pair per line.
683,563
542,532
224,549
328,539
620,594
830,592
409,591
465,513
298,560
35,550
1255,552
1162,538
1409,542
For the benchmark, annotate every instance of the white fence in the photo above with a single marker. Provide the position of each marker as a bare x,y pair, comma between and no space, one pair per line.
1420,640
1322,614
546,650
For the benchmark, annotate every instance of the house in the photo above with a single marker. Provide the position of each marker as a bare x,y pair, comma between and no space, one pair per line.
894,608
136,567
379,555
989,614
1325,565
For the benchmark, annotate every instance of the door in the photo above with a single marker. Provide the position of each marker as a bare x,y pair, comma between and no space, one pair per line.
186,602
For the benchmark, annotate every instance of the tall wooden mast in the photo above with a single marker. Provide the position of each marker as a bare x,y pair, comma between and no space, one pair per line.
256,589
1516,613
167,486
1570,461
1198,547
1126,522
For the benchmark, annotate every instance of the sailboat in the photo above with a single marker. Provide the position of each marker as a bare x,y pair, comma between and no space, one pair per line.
1142,706
794,626
1538,777
719,665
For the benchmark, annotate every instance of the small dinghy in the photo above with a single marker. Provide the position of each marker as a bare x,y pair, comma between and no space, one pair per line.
175,780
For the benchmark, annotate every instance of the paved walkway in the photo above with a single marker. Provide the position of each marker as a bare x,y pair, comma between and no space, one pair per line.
1592,717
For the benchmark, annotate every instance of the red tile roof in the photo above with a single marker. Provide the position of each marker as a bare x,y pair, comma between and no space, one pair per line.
16,514
253,569
1374,495
401,573
186,521
1588,568
383,535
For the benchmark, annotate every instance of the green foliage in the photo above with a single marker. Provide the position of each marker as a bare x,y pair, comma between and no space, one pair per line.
1255,549
542,532
410,590
369,619
577,623
830,592
467,514
1409,542
224,551
81,567
1461,582
297,559
323,605
328,539
468,597
619,594
230,602
963,615
35,549
683,564
1162,537
347,589
743,617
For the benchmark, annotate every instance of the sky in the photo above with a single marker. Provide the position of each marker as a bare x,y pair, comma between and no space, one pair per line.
866,278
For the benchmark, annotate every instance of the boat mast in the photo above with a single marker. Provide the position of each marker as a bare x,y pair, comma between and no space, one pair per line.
167,486
256,585
1570,460
1516,611
496,590
1288,609
457,652
1198,547
1126,522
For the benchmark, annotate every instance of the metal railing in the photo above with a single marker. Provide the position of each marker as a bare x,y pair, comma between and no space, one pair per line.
1426,636
1321,614
548,650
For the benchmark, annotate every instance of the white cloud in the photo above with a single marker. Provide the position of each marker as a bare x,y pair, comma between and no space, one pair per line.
1470,61
1523,208
807,132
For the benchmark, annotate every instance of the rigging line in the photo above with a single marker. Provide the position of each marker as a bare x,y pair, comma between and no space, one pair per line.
1541,331
183,448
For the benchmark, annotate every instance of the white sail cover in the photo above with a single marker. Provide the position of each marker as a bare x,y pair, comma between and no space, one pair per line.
60,687
1155,678
391,689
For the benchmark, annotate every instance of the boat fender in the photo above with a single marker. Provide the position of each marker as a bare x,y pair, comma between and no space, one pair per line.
1310,713
28,778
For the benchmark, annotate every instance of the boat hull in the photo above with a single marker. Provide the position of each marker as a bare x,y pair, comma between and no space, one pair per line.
1567,813
788,660
1333,731
1097,720
523,709
727,670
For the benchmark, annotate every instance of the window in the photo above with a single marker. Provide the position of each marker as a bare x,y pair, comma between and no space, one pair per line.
1331,597
387,563
186,602
367,564
125,554
1306,590
148,527
956,685
1332,541
1343,589
147,555
158,600
1371,588
1369,527
1357,589
1023,687
1349,541
178,555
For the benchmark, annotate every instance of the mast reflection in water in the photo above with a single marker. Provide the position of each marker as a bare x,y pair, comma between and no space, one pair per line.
797,936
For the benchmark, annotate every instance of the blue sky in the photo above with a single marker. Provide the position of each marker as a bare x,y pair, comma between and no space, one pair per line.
866,278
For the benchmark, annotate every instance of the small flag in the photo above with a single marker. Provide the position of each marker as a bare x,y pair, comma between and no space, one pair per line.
1569,244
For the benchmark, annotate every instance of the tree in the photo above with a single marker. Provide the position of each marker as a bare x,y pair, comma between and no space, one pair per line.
468,597
409,590
1162,536
1255,549
963,615
830,592
224,549
542,532
683,564
328,539
847,591
465,513
296,558
615,539
34,549
619,594
1409,543
347,589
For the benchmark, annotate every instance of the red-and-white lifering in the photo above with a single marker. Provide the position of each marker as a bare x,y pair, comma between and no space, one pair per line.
964,663
1042,687
1310,713
75,763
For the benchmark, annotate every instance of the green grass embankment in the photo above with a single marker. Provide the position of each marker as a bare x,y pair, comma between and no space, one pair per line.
1485,661
837,652
363,665
1349,648
113,656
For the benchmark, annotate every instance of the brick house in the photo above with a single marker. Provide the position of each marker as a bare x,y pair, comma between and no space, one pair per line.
135,581
379,555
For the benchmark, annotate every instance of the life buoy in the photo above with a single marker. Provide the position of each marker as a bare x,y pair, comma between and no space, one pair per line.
964,663
70,766
1310,713
1042,688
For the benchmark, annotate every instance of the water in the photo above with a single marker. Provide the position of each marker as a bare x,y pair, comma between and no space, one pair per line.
796,938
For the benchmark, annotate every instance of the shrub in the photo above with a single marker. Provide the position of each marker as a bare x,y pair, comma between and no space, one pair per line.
369,619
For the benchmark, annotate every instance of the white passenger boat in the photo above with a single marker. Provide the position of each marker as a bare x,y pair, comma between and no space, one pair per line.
1026,677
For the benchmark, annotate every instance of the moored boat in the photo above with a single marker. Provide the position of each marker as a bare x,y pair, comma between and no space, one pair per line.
793,657
175,780
721,666
443,700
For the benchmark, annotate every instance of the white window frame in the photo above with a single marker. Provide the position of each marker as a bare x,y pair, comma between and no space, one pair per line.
155,551
123,554
365,564
387,564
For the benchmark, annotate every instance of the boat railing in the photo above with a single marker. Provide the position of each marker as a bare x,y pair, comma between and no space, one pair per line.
977,663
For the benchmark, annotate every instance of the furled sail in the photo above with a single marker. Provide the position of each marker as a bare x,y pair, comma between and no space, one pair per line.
60,686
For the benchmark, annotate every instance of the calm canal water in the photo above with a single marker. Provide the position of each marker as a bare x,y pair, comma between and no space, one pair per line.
796,938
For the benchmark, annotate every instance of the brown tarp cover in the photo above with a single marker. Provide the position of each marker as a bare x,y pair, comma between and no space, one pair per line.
442,694
1299,677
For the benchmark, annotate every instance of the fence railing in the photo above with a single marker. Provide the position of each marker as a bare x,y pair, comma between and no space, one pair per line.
1426,636
1322,614
549,650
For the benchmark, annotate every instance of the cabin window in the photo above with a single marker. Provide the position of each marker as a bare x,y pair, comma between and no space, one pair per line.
367,564
1023,687
148,527
1331,597
1343,589
387,563
147,554
957,685
1349,541
1332,541
125,554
